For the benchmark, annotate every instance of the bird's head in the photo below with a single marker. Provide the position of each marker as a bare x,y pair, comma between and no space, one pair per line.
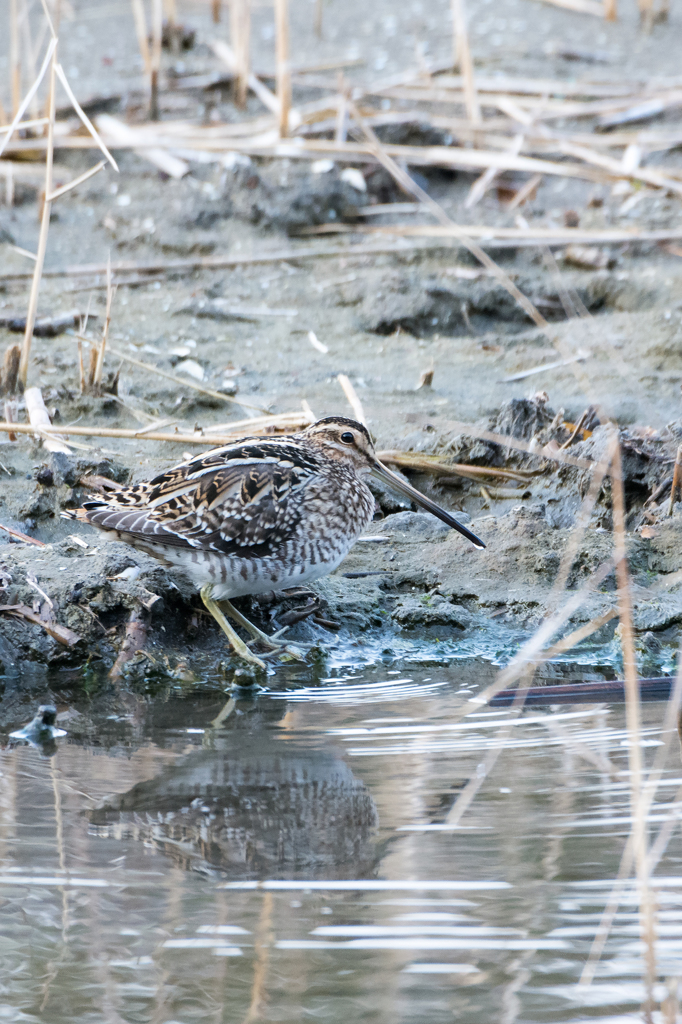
349,441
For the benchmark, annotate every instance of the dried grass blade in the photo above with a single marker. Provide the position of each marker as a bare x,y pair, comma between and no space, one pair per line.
99,366
77,181
84,117
44,227
463,57
39,418
22,536
209,440
62,634
352,398
633,720
29,95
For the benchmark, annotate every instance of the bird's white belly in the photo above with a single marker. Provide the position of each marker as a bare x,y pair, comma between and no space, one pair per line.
238,577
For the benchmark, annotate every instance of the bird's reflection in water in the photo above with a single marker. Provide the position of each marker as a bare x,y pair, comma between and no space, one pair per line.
252,803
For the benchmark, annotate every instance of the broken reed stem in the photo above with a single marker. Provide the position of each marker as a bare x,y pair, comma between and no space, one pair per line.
99,366
215,11
283,74
633,722
135,638
483,770
676,480
44,227
610,10
209,440
240,32
406,182
155,59
525,192
14,58
463,59
432,464
140,20
352,398
22,536
532,649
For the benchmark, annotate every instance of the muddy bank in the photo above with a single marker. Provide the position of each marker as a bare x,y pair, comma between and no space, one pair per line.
410,579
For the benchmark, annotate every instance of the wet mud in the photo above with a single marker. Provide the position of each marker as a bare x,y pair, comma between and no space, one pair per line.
386,319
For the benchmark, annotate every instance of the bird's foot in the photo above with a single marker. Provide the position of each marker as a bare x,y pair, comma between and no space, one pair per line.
271,643
236,642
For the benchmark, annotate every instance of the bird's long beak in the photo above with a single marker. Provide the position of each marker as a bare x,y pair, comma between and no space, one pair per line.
390,478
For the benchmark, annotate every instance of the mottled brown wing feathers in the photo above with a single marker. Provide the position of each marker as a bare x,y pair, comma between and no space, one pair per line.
236,501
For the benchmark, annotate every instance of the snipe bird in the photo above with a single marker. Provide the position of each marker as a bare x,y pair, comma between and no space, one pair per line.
260,514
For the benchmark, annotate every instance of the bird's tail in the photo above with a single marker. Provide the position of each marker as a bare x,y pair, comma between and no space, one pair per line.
80,514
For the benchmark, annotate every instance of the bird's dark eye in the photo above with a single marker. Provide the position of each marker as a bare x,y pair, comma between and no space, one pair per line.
347,437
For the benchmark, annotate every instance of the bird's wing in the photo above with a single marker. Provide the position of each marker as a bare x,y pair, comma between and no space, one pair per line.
241,499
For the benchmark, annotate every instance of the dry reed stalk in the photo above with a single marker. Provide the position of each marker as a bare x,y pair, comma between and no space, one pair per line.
531,650
39,418
122,135
293,420
610,10
22,536
525,192
283,62
73,184
14,56
615,167
406,182
432,464
226,54
216,6
483,183
462,54
497,236
240,33
676,480
352,398
466,796
134,639
140,20
155,59
47,61
214,262
208,440
633,719
657,848
184,383
99,366
81,368
567,643
44,226
33,122
580,6
10,370
598,473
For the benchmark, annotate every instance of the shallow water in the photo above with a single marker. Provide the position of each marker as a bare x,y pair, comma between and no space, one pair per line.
286,856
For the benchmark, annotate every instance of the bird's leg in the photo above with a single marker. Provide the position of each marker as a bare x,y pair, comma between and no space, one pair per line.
270,642
237,644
